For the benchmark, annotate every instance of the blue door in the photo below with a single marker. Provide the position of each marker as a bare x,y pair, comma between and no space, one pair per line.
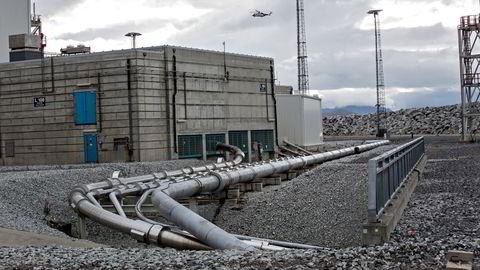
90,147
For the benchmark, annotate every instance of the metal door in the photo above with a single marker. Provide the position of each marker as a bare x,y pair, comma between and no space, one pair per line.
90,146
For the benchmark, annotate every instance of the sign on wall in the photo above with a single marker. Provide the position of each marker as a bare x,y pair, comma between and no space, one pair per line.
39,102
263,87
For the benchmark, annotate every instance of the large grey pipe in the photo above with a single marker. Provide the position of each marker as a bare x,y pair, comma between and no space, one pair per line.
140,230
207,232
83,201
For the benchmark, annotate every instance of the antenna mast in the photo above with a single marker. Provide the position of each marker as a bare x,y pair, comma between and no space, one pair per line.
303,83
381,104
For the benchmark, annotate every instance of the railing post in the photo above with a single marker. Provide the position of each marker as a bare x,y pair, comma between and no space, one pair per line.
372,191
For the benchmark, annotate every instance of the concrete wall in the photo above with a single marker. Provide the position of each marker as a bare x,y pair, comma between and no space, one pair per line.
14,19
48,135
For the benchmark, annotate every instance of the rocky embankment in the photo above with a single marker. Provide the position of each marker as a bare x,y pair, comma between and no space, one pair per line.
428,120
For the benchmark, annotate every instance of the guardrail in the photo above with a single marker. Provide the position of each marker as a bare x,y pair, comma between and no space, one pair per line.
387,174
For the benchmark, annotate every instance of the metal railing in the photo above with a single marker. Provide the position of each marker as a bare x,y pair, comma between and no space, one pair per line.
387,174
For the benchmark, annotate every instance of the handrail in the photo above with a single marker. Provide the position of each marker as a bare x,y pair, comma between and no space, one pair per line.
388,172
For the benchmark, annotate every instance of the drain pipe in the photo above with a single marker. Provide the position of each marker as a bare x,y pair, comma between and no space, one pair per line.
272,82
174,103
130,111
163,198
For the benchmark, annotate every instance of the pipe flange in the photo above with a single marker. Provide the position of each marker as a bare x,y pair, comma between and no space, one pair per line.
200,184
305,162
153,235
221,184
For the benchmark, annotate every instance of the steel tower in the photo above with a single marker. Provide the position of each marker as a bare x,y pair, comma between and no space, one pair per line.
468,37
381,103
303,83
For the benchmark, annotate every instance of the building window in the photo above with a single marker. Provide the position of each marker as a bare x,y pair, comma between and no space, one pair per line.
85,107
190,147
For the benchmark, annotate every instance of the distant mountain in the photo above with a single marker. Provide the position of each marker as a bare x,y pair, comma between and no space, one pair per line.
349,110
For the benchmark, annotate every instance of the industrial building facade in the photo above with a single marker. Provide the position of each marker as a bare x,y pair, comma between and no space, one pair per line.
135,105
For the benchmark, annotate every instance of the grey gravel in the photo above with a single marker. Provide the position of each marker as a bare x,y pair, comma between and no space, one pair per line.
443,212
23,193
428,120
323,207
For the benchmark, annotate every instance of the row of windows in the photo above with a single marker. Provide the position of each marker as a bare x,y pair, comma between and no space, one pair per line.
191,146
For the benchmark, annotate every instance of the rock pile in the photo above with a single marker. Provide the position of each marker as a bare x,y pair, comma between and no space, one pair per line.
428,120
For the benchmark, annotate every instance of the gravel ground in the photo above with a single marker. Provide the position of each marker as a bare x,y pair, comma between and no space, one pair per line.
23,193
443,211
324,207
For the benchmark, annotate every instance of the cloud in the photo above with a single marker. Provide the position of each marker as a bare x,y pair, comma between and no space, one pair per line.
396,98
419,39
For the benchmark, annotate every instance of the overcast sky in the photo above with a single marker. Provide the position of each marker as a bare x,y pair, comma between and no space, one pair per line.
419,39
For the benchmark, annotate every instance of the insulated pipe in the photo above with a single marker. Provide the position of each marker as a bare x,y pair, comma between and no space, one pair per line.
138,229
238,157
207,232
116,204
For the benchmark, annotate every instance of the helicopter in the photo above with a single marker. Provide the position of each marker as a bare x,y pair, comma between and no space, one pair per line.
259,14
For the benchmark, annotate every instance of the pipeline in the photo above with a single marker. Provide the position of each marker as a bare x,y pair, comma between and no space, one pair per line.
165,187
164,197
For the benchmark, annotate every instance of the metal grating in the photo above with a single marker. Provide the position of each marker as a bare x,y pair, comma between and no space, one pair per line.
190,146
265,138
211,142
239,139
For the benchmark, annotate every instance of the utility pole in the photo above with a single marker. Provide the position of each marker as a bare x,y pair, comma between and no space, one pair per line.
381,104
303,81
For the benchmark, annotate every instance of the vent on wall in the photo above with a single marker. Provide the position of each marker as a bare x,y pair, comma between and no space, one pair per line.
10,148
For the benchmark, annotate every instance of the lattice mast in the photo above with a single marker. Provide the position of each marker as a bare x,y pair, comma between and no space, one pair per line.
381,102
303,81
469,49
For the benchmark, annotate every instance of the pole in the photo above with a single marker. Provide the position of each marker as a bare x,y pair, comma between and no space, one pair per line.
224,60
376,68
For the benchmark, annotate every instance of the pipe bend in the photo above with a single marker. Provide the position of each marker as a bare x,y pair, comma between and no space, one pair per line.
238,154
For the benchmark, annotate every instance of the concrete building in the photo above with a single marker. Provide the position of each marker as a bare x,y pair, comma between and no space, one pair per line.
135,105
